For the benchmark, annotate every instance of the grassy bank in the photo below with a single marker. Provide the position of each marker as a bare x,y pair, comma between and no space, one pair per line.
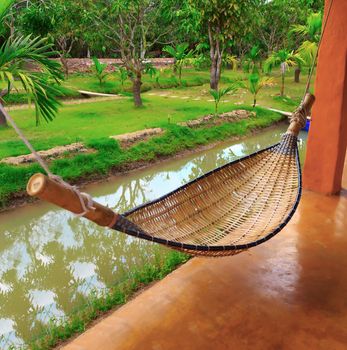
110,157
113,297
105,118
85,122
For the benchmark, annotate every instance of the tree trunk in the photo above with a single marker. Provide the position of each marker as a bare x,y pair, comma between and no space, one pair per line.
215,71
297,75
64,63
213,75
283,73
216,58
282,85
137,90
3,121
254,101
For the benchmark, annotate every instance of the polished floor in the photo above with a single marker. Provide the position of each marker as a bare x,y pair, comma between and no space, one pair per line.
289,293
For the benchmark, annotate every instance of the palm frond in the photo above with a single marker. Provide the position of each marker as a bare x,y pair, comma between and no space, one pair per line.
271,62
41,87
215,94
299,29
170,50
308,51
4,7
314,26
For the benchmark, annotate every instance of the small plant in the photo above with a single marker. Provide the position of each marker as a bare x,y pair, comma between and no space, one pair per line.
152,72
283,59
256,83
232,61
100,70
180,55
122,74
251,60
218,94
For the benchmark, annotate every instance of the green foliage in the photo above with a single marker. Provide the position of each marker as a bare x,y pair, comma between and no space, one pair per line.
310,33
4,7
218,94
272,19
110,156
283,59
14,54
60,93
122,74
256,83
100,70
181,56
251,60
232,61
221,21
150,69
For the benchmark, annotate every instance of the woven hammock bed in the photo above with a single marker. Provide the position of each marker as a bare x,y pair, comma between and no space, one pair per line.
224,212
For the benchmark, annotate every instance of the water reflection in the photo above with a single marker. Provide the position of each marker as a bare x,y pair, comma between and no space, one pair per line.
50,260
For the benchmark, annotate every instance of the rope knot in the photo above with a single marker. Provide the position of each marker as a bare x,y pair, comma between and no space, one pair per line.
299,116
82,196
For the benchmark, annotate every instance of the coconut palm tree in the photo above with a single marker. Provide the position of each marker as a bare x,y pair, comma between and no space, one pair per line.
283,59
256,83
311,33
17,55
218,94
251,59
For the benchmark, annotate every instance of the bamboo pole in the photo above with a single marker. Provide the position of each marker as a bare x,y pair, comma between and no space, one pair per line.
298,118
43,187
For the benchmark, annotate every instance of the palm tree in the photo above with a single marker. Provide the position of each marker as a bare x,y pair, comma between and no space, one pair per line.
16,55
180,55
251,60
232,61
283,59
311,33
218,94
256,83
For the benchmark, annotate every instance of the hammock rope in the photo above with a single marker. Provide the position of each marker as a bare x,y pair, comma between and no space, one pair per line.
224,212
86,206
309,78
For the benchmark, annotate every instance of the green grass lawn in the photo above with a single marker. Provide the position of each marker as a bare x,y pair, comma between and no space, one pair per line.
100,119
93,123
109,156
83,122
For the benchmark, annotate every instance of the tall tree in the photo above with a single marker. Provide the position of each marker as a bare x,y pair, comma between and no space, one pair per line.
16,53
64,21
222,20
256,83
310,34
273,18
132,26
283,59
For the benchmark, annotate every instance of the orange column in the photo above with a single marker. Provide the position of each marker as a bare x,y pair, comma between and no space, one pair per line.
327,140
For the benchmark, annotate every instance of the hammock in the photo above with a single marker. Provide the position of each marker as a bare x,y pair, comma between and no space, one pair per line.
223,212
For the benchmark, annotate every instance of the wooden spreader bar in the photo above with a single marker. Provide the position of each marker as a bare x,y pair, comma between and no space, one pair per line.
57,193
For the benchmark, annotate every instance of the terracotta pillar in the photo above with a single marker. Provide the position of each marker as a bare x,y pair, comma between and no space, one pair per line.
327,140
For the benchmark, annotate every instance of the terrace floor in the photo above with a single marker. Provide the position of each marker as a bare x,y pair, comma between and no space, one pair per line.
289,293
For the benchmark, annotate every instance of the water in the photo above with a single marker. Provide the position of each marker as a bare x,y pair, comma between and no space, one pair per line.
50,260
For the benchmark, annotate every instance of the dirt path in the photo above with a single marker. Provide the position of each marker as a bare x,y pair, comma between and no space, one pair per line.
68,102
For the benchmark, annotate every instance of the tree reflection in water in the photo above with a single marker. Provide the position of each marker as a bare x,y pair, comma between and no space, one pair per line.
51,260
